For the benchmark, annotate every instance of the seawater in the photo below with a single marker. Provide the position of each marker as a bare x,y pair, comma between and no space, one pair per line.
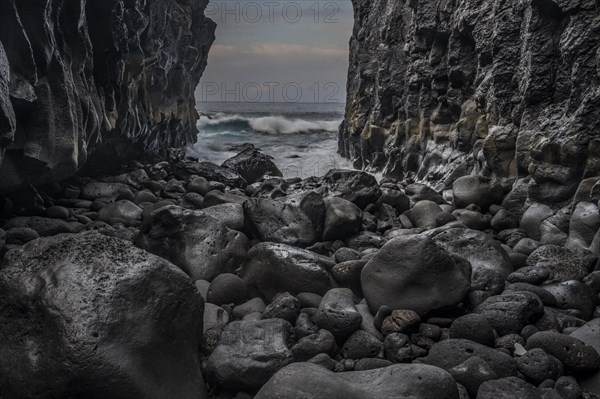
301,137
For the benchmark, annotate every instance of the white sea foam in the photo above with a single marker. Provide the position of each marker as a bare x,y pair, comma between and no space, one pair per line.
266,124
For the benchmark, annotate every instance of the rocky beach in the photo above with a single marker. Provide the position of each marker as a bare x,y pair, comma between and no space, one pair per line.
470,270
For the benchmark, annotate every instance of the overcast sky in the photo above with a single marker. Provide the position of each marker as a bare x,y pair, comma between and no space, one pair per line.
278,50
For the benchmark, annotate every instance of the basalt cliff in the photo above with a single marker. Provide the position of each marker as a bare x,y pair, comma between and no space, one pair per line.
96,81
499,88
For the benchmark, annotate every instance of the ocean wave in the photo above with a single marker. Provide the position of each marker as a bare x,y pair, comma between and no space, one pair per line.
266,124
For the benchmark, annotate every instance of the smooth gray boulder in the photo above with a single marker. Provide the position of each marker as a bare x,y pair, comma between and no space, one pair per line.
198,243
510,312
414,273
476,190
123,211
94,309
408,381
338,314
342,219
249,353
274,268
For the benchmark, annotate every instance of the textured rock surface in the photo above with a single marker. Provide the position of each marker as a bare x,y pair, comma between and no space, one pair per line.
81,78
92,316
440,89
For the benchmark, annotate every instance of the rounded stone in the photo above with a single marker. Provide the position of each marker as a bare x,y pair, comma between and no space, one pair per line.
227,288
473,327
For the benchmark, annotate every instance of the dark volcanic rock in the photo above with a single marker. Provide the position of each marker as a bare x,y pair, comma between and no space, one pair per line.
487,88
274,268
342,219
337,313
252,165
200,244
184,170
414,273
510,312
249,353
104,80
121,322
354,186
305,380
508,388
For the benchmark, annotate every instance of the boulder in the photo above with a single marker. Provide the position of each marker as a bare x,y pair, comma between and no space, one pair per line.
584,225
314,344
273,268
414,273
352,185
231,215
561,264
424,214
338,314
476,190
249,353
94,309
306,380
226,289
124,212
277,221
510,312
539,366
342,219
184,170
45,227
533,218
107,191
251,164
508,388
200,244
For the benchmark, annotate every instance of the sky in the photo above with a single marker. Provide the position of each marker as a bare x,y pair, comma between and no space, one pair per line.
273,51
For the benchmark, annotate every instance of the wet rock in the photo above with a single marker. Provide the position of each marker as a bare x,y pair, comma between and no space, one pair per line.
184,170
395,198
510,312
124,212
113,306
401,321
371,364
337,313
274,268
231,215
57,212
198,185
414,381
284,306
347,274
309,300
277,221
476,190
414,273
398,349
539,366
562,264
533,217
504,220
508,388
200,244
473,327
311,345
215,317
45,227
584,225
578,358
108,191
251,164
226,289
472,219
354,186
424,214
19,236
568,388
361,345
574,295
452,352
472,373
218,197
345,254
342,219
254,305
249,353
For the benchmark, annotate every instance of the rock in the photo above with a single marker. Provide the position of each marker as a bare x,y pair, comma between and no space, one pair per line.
371,364
368,322
526,246
184,170
123,212
45,227
504,220
274,268
473,327
452,352
486,256
347,274
57,212
345,254
472,219
584,225
252,165
107,191
284,306
508,388
354,186
395,198
414,273
472,373
192,201
309,300
539,366
249,353
588,334
562,264
476,190
533,217
226,289
201,245
218,197
254,305
420,192
231,215
277,221
567,388
144,196
312,345
119,315
305,326
337,313
577,357
19,236
409,381
401,321
342,219
198,185
424,214
215,317
510,312
574,295
361,345
398,349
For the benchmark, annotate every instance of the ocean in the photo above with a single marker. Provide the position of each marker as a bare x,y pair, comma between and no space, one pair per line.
301,137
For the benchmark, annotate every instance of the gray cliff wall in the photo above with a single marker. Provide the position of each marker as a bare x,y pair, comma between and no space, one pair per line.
96,80
439,89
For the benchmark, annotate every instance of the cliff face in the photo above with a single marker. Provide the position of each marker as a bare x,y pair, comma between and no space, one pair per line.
96,80
439,89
